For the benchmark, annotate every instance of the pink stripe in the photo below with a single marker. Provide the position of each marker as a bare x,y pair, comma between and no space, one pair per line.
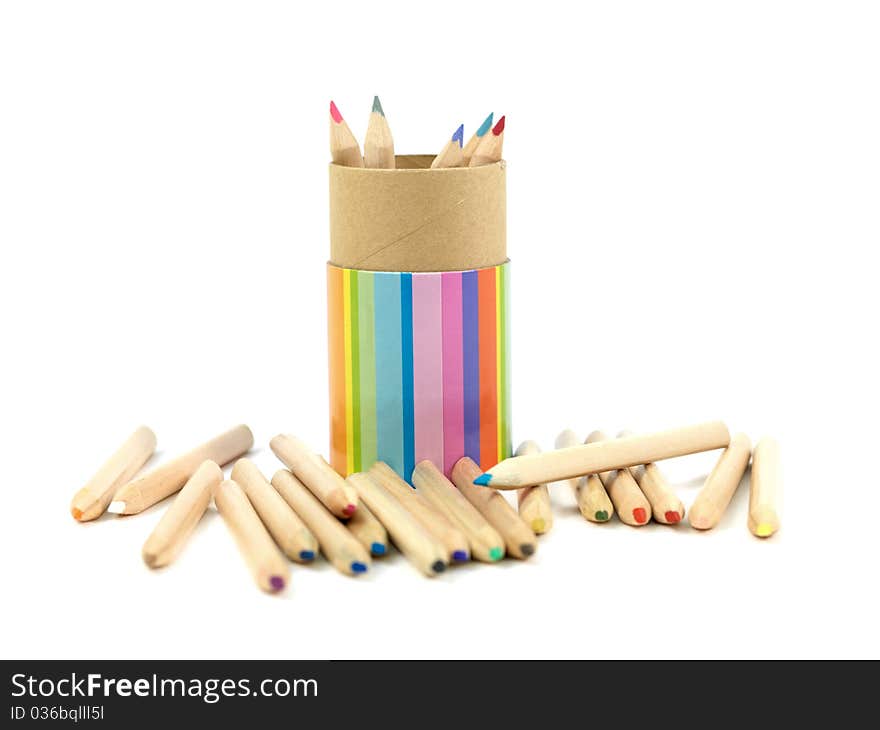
453,372
427,367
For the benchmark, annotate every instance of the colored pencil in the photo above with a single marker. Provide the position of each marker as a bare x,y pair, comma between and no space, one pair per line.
489,149
712,500
316,474
474,141
413,540
632,506
378,143
592,458
168,478
344,147
433,521
592,499
485,542
180,519
517,535
766,489
269,567
337,543
369,531
666,507
534,502
451,155
92,500
283,524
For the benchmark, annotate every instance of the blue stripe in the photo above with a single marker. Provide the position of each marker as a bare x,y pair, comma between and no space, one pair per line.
406,346
471,352
389,369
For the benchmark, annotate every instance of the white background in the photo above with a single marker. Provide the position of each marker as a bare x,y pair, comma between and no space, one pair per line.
693,224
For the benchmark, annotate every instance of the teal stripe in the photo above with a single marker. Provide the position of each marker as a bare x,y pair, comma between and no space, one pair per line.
367,365
355,372
389,370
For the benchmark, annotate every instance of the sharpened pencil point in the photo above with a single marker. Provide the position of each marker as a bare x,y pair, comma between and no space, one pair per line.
601,515
498,128
306,554
538,525
377,106
484,479
764,530
334,112
357,567
438,566
460,556
77,513
277,583
640,516
116,508
527,550
486,125
672,517
459,136
377,548
349,509
496,553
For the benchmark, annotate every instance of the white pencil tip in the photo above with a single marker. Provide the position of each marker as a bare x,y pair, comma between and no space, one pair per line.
116,508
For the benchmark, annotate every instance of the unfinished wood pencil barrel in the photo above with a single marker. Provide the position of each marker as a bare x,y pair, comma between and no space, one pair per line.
92,500
766,489
369,531
434,521
270,569
485,543
286,528
180,519
517,535
168,478
592,499
534,502
632,506
712,500
666,507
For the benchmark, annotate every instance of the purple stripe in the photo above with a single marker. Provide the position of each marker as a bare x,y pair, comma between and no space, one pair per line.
453,377
471,364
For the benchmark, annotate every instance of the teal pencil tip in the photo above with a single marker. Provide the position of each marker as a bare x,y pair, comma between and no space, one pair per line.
377,106
484,479
485,126
496,553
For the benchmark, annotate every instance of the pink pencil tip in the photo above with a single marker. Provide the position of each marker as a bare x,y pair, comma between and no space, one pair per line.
349,509
334,112
499,127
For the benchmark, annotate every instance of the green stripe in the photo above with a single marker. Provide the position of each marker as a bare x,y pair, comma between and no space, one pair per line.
355,372
367,361
504,387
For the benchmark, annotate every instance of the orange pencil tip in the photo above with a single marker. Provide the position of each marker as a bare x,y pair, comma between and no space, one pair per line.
77,513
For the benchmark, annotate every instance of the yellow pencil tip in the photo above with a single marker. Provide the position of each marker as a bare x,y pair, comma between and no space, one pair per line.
538,524
764,530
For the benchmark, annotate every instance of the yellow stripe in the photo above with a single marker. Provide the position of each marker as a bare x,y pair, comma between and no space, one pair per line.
498,362
349,426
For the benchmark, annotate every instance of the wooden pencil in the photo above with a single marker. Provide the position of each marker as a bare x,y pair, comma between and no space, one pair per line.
168,478
451,155
517,535
269,567
666,507
369,531
712,500
592,458
339,546
489,149
435,522
468,150
766,488
284,525
534,502
485,542
592,499
378,143
321,479
414,541
344,147
631,505
92,500
180,519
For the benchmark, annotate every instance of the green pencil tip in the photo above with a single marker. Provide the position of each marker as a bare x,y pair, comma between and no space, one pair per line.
377,106
602,515
496,553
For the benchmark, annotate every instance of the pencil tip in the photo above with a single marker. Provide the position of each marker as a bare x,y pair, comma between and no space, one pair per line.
77,513
538,525
116,508
306,554
438,566
486,125
357,567
601,515
460,556
764,530
459,136
377,106
527,549
334,113
672,517
499,128
349,510
277,583
640,515
377,548
483,479
496,553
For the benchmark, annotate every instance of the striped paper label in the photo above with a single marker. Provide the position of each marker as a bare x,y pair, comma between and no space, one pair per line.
419,368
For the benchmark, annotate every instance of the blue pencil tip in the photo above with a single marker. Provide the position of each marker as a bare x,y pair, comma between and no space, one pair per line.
484,479
485,126
377,548
358,568
460,556
306,555
459,136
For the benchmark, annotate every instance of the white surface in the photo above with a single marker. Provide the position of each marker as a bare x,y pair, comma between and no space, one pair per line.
693,224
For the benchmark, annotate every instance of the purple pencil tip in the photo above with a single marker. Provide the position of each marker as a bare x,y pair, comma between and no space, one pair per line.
277,583
459,136
460,556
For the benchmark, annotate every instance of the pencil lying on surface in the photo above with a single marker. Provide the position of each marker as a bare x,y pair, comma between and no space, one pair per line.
712,500
344,147
665,505
91,501
451,155
517,535
485,542
270,569
168,478
368,531
321,479
378,143
592,499
283,524
489,149
413,540
592,458
632,506
766,489
339,546
534,502
180,519
435,522
468,150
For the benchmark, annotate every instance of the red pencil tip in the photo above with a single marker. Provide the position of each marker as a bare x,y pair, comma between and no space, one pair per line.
499,127
334,112
349,509
640,516
672,517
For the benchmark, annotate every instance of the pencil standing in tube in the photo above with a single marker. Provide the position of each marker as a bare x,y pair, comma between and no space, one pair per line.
344,147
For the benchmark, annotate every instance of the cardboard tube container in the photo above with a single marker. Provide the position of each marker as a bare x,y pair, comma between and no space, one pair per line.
418,316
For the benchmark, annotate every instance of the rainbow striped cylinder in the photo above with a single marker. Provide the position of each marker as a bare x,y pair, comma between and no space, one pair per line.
419,367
